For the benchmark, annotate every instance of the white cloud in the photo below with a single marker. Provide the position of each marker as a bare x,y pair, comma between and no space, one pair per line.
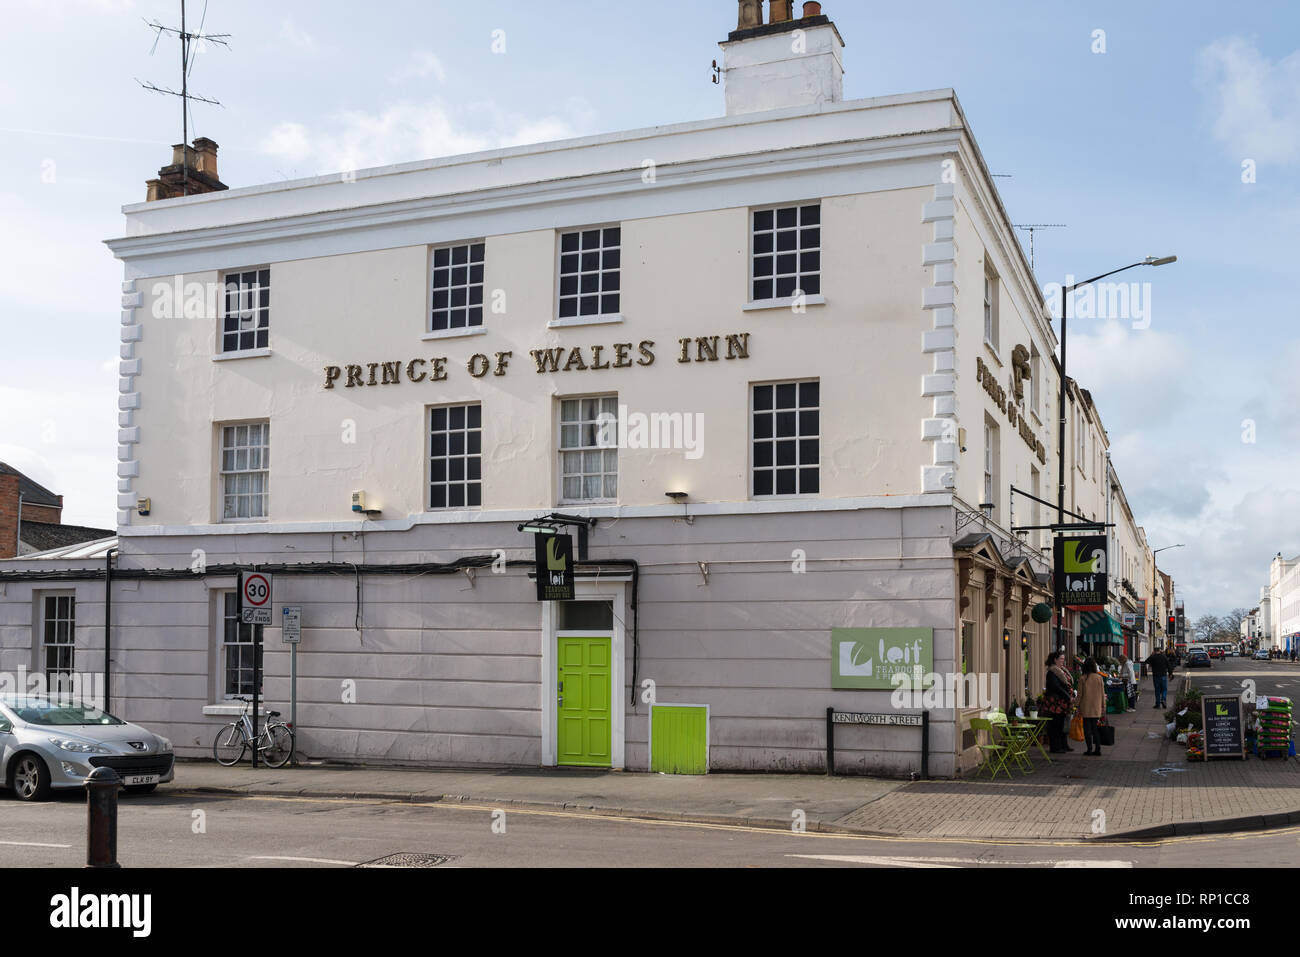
420,65
407,131
76,8
1255,101
1173,411
289,141
65,440
31,463
35,280
1228,549
1120,364
295,35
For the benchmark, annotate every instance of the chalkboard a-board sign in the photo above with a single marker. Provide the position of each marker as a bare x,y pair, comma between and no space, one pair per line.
1221,721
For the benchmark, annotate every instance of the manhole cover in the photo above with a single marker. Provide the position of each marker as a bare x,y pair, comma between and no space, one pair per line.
408,860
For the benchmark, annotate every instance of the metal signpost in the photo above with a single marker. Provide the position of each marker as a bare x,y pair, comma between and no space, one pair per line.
291,635
888,719
255,610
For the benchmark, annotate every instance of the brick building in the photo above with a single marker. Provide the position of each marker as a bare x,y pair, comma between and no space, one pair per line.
31,517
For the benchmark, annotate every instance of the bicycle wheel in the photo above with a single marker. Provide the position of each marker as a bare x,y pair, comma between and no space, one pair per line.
279,750
229,746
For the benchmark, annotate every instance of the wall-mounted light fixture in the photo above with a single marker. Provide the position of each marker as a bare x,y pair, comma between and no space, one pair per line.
680,499
1006,639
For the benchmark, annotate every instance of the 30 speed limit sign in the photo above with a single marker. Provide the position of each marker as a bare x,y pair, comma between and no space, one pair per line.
255,598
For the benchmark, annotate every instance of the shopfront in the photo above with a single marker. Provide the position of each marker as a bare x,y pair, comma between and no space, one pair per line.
1101,635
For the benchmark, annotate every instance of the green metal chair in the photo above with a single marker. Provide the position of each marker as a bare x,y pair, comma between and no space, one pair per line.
1036,737
1017,739
994,754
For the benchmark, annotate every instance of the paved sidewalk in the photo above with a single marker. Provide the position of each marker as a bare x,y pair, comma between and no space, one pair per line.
1142,787
766,800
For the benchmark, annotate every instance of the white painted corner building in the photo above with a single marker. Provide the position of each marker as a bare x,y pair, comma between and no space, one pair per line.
829,361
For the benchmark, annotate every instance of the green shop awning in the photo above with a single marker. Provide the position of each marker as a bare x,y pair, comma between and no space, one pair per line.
1100,628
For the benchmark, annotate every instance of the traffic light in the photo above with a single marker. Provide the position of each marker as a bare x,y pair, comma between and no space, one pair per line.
1172,629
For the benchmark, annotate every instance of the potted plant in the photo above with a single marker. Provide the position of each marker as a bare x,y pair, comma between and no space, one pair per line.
1032,705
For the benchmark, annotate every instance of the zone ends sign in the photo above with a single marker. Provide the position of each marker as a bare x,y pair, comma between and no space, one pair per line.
255,598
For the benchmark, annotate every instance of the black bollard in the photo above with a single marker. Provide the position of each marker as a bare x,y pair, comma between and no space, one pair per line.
102,786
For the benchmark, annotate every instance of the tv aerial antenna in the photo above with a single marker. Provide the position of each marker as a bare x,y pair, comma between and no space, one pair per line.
187,64
1031,228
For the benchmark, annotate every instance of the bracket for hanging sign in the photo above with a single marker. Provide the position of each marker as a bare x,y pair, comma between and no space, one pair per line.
551,525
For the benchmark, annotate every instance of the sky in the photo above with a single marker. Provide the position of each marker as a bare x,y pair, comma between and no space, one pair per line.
1156,128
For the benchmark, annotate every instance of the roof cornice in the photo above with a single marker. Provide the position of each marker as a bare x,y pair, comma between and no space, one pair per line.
691,182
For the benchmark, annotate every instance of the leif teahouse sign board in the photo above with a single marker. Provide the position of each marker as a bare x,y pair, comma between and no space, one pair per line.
869,658
554,567
1080,565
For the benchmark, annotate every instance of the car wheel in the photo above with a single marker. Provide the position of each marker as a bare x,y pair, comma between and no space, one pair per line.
31,778
140,788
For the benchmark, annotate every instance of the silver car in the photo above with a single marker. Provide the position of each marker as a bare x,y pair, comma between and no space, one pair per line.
49,743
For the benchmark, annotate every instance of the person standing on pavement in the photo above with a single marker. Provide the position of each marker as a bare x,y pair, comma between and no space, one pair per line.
1058,694
1092,705
1159,665
1129,671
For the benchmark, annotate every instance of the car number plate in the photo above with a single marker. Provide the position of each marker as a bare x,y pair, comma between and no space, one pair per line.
133,779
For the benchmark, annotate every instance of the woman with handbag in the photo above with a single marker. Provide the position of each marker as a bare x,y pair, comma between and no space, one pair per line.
1057,697
1092,705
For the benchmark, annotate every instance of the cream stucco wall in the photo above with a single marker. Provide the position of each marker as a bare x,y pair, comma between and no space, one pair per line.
682,276
978,249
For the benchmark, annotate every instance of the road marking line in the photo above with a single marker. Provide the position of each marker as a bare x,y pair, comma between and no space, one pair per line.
1093,864
951,861
887,861
304,860
771,831
30,844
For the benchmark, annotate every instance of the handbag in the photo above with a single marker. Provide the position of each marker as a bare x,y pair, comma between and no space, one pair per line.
1106,735
1076,728
1053,705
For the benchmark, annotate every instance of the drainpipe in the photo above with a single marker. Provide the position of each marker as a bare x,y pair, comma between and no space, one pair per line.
18,533
108,628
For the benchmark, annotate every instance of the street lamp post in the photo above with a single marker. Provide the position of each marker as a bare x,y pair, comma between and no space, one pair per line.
1157,551
1060,444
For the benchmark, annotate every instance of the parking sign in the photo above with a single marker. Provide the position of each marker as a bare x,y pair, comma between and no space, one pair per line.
291,624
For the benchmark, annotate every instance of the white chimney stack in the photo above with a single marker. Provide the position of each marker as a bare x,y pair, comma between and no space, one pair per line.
783,63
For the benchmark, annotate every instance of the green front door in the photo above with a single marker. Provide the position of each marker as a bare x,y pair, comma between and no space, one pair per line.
584,721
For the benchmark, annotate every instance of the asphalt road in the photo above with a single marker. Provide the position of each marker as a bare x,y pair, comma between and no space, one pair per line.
170,829
1226,675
